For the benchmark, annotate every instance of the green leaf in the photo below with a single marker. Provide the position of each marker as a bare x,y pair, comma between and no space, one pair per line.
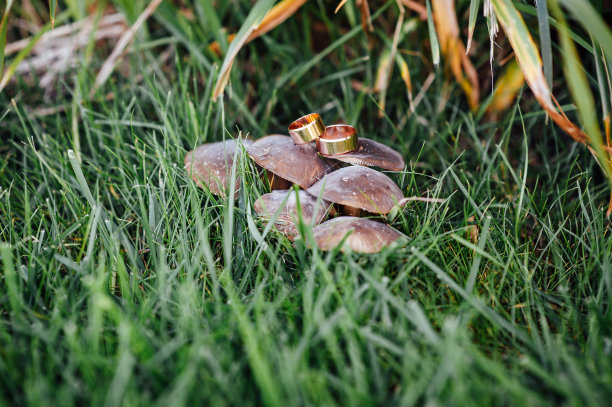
524,47
581,91
255,16
591,21
602,82
474,4
23,54
52,7
545,42
3,28
433,38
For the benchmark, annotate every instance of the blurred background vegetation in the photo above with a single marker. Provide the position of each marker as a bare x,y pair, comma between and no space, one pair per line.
484,50
113,296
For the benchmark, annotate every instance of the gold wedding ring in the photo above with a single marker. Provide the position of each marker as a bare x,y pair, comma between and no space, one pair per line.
337,139
306,128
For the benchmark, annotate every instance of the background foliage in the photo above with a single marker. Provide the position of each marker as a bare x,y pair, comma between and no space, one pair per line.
125,284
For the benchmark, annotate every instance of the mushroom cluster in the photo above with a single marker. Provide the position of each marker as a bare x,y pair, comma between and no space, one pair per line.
331,165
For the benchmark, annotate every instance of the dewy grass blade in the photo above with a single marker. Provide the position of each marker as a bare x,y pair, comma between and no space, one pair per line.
252,21
477,250
410,310
81,178
433,37
108,232
545,41
475,301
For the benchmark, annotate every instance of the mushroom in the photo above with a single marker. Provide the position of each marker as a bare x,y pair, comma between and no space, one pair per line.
291,163
365,235
373,154
210,164
286,222
359,188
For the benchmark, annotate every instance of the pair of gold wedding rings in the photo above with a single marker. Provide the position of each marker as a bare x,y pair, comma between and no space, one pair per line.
331,140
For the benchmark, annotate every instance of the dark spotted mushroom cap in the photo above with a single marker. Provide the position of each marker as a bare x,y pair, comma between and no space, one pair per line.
373,154
211,164
267,205
366,235
300,164
359,187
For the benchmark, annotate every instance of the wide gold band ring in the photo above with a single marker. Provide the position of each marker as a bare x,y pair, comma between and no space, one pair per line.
337,139
306,128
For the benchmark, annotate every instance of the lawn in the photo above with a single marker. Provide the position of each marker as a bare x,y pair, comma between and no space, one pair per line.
123,283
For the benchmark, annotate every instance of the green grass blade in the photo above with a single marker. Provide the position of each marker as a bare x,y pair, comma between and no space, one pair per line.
602,82
532,11
10,70
257,13
482,241
52,7
9,275
545,41
474,5
3,29
474,301
433,37
581,91
523,45
591,21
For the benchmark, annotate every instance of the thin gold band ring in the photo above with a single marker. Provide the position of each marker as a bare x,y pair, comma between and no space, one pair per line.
306,129
337,139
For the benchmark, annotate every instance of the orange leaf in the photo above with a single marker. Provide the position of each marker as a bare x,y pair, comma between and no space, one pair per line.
506,87
453,50
277,15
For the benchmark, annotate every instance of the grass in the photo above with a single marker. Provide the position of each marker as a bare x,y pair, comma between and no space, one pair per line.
124,284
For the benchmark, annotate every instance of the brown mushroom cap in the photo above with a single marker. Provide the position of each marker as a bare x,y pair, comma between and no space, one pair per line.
267,205
373,154
359,187
299,164
211,164
366,235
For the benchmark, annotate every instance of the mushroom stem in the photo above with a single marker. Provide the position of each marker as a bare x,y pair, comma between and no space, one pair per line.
351,211
275,182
